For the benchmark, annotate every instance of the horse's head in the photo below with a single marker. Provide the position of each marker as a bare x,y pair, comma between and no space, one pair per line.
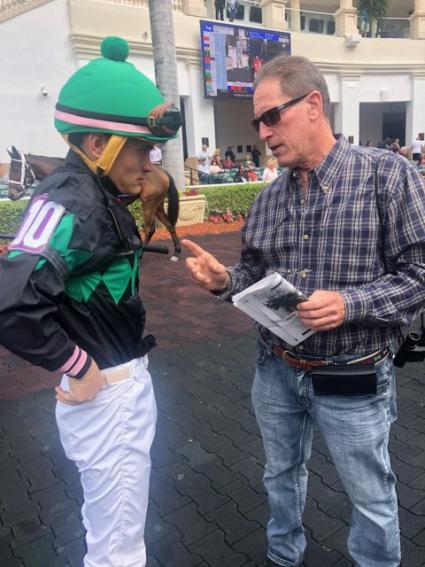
21,175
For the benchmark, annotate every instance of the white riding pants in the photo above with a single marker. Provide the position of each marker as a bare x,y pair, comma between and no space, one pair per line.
109,439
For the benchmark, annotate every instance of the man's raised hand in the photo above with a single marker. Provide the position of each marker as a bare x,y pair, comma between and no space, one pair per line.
204,268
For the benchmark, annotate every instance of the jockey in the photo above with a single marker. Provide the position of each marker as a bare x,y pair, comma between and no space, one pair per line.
70,300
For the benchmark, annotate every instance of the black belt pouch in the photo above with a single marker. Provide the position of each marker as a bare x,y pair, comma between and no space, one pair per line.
353,380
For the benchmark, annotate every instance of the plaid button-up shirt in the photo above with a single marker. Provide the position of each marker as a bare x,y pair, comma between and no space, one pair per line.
359,230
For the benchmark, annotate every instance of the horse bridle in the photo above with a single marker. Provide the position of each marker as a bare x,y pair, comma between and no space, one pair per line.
27,176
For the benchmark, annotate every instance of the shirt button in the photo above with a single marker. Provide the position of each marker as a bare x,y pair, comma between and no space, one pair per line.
304,274
306,237
302,201
300,347
325,188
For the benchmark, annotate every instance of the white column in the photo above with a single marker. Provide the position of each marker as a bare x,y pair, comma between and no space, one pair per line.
199,113
417,21
194,8
274,14
346,19
415,111
347,111
294,15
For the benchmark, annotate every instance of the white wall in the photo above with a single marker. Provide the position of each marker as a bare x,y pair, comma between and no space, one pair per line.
36,52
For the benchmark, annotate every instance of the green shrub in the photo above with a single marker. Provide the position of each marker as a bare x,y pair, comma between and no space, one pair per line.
11,213
237,198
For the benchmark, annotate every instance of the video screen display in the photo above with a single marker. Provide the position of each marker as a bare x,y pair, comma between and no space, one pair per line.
232,56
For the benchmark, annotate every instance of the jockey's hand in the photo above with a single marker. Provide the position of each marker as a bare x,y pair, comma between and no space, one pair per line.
206,270
323,310
83,389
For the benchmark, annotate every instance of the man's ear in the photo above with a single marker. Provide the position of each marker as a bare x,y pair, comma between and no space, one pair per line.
94,145
315,102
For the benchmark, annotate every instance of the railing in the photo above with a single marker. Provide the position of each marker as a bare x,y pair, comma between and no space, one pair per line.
310,22
393,27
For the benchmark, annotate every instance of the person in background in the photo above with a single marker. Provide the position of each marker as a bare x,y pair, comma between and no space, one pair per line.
252,174
359,259
270,172
241,176
395,146
229,153
232,9
255,153
228,163
219,9
417,149
216,158
156,155
204,160
71,303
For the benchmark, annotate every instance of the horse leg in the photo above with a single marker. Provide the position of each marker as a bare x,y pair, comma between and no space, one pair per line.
162,216
148,223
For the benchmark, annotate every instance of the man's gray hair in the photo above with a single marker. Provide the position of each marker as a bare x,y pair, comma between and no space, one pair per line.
297,75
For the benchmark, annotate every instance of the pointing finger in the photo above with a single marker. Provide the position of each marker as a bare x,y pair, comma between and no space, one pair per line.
193,247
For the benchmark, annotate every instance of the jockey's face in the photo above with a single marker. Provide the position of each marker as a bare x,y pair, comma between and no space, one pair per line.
131,166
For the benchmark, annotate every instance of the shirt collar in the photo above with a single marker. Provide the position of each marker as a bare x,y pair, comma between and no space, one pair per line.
327,169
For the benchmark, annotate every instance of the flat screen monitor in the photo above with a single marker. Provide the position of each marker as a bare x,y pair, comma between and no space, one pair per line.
233,54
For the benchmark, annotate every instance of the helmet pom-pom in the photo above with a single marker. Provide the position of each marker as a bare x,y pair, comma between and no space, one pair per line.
115,48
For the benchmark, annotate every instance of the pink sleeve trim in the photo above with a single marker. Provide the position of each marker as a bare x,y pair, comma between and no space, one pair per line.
75,363
71,361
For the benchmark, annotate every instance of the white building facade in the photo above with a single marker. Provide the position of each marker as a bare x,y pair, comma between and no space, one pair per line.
376,84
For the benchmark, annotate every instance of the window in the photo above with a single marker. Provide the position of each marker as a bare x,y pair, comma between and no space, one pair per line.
315,25
255,15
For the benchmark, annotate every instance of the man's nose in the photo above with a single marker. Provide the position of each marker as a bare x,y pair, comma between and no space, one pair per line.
264,131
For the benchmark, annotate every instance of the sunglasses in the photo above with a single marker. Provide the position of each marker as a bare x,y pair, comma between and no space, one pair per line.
272,116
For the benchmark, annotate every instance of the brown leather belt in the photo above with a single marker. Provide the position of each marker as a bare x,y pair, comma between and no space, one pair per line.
305,364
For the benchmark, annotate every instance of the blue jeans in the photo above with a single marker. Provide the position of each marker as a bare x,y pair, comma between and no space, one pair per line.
356,430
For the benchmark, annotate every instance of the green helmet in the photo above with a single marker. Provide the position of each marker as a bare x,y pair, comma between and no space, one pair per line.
110,95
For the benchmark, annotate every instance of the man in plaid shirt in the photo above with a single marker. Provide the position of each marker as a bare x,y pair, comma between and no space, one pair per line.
346,225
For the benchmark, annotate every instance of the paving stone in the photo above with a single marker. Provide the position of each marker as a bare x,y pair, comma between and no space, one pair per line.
410,524
74,552
216,551
191,525
409,497
165,495
40,477
337,542
320,524
218,474
260,514
250,469
158,530
326,496
253,546
199,489
15,504
243,495
234,524
412,555
208,497
28,529
66,528
175,555
318,555
54,501
196,455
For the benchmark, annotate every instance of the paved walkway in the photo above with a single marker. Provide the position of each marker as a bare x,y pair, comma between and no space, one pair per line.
208,506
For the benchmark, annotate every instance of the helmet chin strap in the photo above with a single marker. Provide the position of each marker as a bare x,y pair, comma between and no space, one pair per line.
106,161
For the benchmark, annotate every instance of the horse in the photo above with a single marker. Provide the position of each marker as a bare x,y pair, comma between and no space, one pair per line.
25,169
